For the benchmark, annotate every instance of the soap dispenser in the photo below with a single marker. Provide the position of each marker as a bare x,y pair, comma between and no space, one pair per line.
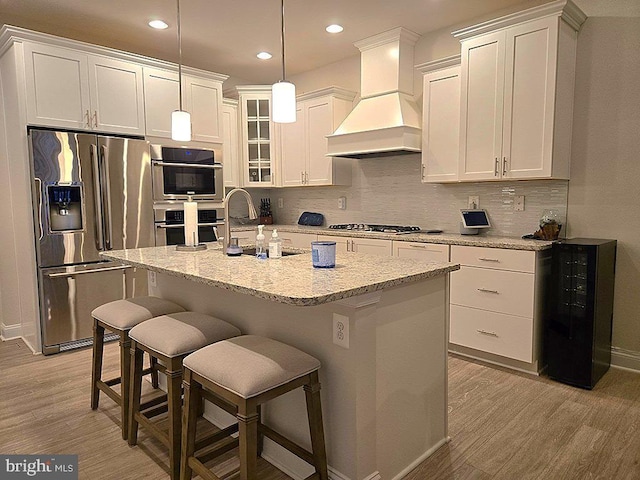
275,245
261,250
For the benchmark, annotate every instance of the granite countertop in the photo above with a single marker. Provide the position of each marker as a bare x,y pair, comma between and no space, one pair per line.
512,243
291,279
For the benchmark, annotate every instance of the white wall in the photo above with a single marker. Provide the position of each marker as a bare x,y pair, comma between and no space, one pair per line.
604,190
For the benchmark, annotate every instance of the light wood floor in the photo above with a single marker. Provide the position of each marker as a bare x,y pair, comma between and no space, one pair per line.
503,425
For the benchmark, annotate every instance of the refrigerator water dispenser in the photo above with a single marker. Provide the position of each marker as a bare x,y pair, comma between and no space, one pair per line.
64,207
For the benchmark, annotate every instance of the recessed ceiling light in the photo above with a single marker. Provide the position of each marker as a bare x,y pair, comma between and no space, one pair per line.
159,24
264,55
334,28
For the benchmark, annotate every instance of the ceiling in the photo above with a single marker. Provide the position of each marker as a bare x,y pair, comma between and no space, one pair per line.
224,36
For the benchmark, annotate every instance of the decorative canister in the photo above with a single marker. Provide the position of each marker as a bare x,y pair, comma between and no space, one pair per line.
323,254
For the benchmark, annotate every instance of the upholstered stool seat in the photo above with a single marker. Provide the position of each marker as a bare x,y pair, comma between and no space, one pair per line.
119,317
169,339
238,375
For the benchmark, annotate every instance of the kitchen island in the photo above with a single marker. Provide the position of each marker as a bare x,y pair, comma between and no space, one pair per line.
378,326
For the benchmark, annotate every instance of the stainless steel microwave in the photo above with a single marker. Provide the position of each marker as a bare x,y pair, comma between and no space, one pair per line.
182,172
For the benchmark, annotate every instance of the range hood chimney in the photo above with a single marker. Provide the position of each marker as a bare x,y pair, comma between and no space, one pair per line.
386,121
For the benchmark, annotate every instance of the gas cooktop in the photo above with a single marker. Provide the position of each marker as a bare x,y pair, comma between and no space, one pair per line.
363,227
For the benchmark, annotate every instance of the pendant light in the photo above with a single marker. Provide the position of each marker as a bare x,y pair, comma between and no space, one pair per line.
283,93
180,120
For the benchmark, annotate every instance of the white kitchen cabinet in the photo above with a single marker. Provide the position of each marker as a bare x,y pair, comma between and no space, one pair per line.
293,239
440,120
496,301
432,252
258,137
230,143
72,89
304,143
517,83
201,97
374,246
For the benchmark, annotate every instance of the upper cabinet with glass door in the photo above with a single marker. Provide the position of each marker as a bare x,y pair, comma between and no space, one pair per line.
257,136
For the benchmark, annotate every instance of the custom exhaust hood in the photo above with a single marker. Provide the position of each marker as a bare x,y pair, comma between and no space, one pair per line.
386,121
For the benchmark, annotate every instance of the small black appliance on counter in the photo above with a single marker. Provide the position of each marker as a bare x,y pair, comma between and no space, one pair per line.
579,314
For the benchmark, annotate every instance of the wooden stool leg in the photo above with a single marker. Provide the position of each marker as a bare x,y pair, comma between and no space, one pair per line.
125,386
153,362
96,368
248,437
174,395
192,402
260,435
314,412
136,391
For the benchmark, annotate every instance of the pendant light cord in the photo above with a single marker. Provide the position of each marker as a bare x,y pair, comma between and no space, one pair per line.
282,40
180,57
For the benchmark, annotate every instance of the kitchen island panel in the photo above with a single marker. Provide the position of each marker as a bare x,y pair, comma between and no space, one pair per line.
384,398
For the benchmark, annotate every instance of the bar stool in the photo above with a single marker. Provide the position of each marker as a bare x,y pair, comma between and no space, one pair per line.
119,317
239,375
169,339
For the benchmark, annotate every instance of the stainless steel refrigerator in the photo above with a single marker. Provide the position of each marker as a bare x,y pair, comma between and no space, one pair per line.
91,193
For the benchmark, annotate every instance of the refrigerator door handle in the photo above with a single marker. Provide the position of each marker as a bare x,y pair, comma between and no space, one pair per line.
39,182
107,198
84,272
97,197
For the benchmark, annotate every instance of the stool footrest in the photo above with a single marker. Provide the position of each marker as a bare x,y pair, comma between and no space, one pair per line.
112,382
216,437
154,412
154,401
229,444
153,429
201,470
286,443
109,392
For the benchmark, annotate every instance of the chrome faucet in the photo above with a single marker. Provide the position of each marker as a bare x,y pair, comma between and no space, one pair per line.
227,227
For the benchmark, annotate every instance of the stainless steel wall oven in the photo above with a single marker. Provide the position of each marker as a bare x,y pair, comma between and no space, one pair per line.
169,220
182,172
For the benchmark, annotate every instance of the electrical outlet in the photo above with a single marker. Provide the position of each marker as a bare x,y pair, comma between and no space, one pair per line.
518,203
151,278
341,330
342,203
281,203
473,202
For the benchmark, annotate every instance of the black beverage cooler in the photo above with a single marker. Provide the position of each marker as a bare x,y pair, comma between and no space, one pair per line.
579,314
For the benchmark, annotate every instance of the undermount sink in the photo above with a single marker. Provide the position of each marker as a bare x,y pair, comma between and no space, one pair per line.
252,251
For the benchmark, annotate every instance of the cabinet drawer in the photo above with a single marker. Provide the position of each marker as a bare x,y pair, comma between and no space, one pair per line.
491,332
431,252
498,258
495,290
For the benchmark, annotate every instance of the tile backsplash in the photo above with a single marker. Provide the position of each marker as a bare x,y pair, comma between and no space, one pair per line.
388,191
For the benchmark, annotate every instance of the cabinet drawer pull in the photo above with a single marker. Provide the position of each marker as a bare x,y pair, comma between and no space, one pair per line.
495,171
86,114
485,259
95,118
490,334
486,290
422,247
504,166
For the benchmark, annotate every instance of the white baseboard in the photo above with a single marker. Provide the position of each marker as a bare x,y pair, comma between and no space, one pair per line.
626,359
9,332
421,458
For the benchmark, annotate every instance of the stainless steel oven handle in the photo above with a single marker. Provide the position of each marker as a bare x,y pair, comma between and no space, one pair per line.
97,197
181,225
164,225
107,190
84,272
188,165
39,182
